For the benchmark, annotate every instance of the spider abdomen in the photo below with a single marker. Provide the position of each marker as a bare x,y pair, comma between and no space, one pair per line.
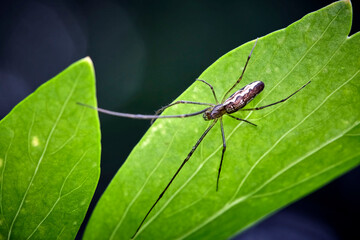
243,96
236,101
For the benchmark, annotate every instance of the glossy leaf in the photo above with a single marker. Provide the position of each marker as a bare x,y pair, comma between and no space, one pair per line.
50,158
298,146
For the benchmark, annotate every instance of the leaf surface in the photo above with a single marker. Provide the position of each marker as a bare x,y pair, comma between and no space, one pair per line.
298,146
50,158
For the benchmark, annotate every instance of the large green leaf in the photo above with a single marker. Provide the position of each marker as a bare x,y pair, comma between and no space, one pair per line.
50,158
298,146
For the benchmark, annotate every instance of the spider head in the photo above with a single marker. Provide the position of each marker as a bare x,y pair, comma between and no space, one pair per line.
207,114
214,112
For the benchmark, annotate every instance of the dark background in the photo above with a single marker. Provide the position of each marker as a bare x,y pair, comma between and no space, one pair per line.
145,54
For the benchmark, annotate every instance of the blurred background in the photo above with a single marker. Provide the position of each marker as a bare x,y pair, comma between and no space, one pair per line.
145,54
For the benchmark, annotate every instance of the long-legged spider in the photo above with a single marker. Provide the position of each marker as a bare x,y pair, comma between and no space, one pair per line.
236,102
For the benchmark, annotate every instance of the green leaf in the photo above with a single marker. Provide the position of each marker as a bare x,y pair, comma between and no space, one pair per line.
298,146
50,158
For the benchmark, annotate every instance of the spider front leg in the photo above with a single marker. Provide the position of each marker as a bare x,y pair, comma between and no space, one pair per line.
158,112
181,102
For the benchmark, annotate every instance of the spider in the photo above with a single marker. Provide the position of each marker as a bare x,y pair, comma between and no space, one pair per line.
214,112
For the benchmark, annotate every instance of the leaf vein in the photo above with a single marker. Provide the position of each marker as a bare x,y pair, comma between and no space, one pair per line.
29,138
190,204
60,194
304,180
72,135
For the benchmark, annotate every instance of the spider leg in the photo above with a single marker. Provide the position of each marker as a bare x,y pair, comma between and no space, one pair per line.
222,154
176,173
211,87
242,74
189,102
240,119
141,116
272,104
158,112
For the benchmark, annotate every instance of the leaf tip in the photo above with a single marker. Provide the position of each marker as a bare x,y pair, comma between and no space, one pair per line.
88,63
88,60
